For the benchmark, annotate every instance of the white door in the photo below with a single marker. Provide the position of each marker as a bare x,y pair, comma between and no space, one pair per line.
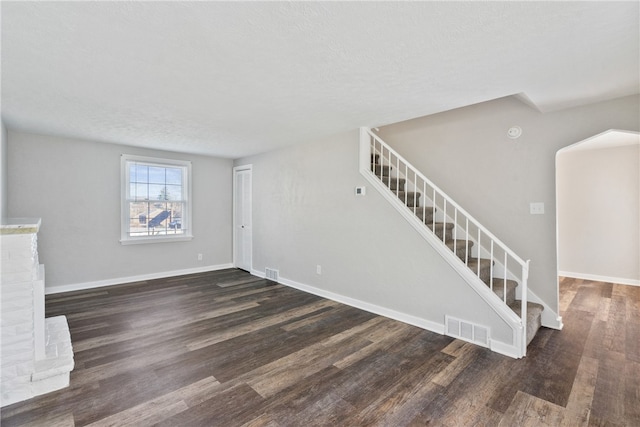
242,238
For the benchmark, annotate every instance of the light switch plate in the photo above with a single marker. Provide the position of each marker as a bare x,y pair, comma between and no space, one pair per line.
536,208
361,191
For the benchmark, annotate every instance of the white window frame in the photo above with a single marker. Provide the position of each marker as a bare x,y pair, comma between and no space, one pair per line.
187,225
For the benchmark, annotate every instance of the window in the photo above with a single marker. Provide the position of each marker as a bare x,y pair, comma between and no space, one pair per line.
156,200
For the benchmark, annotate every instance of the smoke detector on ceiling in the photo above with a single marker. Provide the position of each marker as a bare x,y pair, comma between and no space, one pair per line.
514,132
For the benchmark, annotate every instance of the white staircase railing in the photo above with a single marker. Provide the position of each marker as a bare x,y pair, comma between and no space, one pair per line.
504,263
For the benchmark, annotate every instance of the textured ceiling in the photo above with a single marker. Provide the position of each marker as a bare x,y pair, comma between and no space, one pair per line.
237,78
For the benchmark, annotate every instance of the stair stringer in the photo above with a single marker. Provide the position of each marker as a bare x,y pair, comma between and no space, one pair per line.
513,349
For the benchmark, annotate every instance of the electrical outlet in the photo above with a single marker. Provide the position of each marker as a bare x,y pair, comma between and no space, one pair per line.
199,257
536,208
318,269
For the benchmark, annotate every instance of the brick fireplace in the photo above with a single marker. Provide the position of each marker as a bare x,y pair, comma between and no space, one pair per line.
36,356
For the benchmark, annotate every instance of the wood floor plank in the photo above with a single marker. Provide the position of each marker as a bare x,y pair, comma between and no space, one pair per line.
271,378
581,397
400,404
466,355
608,400
632,393
225,348
258,324
527,410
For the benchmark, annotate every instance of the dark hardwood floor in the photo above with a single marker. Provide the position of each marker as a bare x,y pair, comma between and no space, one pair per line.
228,349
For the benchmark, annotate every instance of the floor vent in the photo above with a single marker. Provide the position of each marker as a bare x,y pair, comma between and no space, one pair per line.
271,274
467,331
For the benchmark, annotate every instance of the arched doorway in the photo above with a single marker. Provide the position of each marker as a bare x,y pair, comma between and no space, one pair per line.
598,208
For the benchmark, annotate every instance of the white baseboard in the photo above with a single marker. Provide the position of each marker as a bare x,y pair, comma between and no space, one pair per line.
362,305
596,278
505,349
439,328
131,279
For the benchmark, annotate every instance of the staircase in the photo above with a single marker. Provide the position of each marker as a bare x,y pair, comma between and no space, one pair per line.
475,249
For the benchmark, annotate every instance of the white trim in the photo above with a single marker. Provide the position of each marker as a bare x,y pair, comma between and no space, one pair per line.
164,238
505,349
131,279
429,325
597,278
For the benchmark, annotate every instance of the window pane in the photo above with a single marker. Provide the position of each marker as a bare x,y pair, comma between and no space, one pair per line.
174,192
139,192
138,173
156,175
138,218
155,218
174,176
157,192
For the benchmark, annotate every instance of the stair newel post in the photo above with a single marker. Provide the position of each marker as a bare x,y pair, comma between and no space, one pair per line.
525,278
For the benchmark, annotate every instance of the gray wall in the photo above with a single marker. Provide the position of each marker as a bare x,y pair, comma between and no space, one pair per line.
305,213
467,153
599,213
74,186
3,172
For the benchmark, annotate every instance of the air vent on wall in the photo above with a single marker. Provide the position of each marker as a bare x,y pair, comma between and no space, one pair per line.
467,331
271,274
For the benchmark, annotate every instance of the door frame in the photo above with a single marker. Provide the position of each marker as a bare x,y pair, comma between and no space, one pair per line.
237,169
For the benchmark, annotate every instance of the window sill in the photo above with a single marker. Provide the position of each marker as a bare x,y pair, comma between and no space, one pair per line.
145,240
